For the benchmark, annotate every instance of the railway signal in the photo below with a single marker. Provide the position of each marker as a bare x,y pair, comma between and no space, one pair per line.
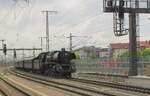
15,54
133,7
4,49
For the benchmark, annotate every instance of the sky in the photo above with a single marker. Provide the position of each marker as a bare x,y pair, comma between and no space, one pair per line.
22,23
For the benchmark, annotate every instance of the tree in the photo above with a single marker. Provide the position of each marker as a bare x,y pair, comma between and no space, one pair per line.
127,54
93,57
146,52
76,54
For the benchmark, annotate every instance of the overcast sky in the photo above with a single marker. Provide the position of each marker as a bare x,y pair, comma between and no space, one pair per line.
21,24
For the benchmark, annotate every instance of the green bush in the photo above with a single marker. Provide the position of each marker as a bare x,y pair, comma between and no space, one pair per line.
93,57
127,54
146,52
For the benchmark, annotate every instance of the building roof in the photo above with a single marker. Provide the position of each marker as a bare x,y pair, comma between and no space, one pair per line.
145,43
119,45
125,45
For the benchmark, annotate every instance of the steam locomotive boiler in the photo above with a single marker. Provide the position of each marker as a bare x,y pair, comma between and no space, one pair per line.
55,63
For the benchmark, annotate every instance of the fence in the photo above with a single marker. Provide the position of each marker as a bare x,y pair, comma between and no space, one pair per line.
116,66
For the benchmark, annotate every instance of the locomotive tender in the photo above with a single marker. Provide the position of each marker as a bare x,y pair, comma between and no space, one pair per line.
55,63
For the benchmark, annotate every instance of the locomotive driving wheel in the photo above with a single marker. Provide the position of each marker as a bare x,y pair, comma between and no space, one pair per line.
50,73
67,75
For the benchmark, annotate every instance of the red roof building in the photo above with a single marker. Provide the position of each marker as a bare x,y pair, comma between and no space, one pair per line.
116,49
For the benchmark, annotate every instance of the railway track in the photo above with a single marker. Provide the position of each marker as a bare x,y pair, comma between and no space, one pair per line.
114,85
2,93
110,84
104,77
10,89
97,83
83,91
100,74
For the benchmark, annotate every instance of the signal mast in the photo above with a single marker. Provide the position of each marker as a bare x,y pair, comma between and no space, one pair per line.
133,8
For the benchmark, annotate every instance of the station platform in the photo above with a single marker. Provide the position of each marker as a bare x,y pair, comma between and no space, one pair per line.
140,81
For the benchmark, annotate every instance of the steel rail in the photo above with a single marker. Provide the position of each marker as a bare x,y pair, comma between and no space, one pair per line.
3,93
114,85
101,74
47,82
13,86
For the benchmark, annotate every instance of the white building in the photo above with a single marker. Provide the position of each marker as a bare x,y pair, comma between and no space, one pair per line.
88,51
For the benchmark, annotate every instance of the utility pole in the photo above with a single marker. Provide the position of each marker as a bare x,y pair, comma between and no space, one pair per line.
70,40
41,39
70,37
47,27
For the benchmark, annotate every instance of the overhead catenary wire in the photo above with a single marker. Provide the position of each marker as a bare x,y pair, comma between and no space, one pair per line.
87,20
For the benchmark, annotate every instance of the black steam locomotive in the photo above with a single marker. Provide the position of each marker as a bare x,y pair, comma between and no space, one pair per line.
55,63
